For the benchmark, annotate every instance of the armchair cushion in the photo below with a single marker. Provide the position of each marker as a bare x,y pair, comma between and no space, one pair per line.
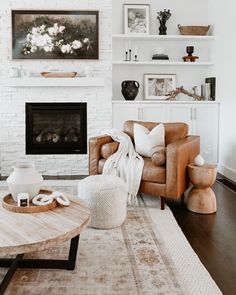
146,141
109,149
159,157
152,173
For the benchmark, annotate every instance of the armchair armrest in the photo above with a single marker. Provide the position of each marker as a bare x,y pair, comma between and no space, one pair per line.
178,155
95,144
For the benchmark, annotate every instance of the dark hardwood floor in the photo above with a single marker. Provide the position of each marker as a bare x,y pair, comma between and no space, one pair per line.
213,237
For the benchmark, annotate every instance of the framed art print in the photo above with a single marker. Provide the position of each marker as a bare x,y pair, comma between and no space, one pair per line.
158,86
136,18
48,34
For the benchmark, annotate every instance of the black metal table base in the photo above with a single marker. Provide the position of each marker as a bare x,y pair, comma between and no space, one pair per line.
19,262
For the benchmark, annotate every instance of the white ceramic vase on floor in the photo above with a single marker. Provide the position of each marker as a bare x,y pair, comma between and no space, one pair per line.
24,179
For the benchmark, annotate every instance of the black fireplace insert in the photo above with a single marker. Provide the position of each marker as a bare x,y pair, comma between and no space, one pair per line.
56,128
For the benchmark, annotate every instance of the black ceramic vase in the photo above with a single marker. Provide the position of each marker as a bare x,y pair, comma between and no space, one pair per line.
130,89
162,28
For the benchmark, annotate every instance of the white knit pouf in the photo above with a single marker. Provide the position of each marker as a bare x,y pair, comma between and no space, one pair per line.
107,198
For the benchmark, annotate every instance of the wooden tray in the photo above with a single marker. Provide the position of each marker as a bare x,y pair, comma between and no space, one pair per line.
59,74
9,204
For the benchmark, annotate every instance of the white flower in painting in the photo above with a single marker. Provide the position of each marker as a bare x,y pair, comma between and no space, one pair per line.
33,49
28,37
34,30
43,40
48,48
61,29
77,44
66,48
42,28
86,40
51,31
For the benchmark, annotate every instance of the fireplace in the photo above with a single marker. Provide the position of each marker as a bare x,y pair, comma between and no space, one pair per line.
56,128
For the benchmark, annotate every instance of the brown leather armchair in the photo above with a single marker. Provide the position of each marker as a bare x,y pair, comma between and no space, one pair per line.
168,180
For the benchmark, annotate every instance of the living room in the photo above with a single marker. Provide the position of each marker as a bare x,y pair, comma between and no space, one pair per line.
117,122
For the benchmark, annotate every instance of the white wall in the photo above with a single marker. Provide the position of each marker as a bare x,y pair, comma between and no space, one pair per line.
225,70
184,12
12,100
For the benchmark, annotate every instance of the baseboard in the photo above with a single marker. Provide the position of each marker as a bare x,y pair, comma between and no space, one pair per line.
227,172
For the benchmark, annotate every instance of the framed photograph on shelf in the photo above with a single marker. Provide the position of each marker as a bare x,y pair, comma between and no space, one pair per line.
55,34
158,86
136,18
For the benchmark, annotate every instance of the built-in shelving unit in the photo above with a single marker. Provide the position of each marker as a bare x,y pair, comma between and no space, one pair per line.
145,46
53,82
163,37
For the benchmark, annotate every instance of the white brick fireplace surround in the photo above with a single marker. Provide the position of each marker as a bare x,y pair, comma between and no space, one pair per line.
13,99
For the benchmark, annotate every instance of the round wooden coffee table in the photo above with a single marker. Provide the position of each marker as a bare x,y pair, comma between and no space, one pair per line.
201,198
22,233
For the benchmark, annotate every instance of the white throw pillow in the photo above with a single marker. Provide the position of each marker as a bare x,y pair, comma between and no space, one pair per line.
147,142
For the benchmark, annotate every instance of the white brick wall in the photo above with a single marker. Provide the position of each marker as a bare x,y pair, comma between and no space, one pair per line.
12,100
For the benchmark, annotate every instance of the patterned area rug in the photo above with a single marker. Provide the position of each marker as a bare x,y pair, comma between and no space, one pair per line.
148,255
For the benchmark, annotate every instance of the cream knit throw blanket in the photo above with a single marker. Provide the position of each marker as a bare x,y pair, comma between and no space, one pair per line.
126,164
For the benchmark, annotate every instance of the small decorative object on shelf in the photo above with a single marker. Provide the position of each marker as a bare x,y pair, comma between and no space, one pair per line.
163,17
128,51
194,30
173,94
203,90
212,81
160,55
130,89
190,57
199,161
135,53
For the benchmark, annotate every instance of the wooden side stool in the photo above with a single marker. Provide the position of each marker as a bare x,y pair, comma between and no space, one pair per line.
201,198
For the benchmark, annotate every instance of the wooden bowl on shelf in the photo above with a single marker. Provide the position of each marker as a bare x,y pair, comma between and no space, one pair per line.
59,74
194,30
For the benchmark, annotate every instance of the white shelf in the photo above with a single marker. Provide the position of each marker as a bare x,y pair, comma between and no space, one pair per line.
123,101
163,37
53,82
163,63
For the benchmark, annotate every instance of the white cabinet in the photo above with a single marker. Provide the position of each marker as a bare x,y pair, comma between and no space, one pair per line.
203,120
201,117
137,111
153,112
123,112
180,113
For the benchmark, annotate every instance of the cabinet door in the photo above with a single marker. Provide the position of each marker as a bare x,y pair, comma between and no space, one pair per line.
206,125
181,113
153,112
123,112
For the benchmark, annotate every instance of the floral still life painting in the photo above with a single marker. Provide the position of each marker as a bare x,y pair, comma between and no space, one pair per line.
55,34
